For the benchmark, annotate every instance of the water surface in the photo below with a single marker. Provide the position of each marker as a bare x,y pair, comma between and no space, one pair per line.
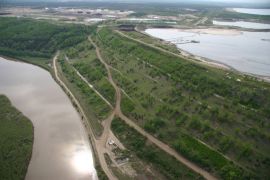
247,52
243,24
61,148
252,11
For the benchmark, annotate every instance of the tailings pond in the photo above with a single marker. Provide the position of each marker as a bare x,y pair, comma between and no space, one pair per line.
245,51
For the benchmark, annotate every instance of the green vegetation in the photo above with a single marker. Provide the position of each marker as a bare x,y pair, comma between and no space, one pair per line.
100,173
16,140
94,107
153,41
83,58
218,119
208,157
36,41
204,113
164,163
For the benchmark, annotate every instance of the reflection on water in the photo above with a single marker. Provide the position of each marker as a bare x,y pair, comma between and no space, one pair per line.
82,161
247,51
61,148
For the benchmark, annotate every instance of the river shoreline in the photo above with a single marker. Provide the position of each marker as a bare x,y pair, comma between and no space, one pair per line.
25,61
79,135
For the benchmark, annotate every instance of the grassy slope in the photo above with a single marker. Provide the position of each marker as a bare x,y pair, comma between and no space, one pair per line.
164,163
83,58
95,108
177,100
153,41
16,140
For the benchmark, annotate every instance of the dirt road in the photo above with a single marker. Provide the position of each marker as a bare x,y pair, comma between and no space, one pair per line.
201,21
151,138
185,55
90,85
99,143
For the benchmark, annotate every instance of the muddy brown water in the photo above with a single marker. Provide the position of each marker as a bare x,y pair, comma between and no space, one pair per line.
61,149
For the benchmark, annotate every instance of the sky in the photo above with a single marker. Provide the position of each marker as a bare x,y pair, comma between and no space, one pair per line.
160,1
236,1
230,1
200,1
255,2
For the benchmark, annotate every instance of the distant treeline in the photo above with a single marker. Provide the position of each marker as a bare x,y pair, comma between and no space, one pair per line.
22,37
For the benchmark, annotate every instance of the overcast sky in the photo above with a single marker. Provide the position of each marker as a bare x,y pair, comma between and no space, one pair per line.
230,1
235,1
255,2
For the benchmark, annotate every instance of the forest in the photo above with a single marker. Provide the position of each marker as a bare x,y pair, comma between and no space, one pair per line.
29,39
15,131
204,113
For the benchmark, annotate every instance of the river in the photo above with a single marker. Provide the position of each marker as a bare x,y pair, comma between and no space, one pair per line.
247,52
61,148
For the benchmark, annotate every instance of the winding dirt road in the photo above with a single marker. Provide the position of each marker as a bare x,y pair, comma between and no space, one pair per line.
151,138
99,143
